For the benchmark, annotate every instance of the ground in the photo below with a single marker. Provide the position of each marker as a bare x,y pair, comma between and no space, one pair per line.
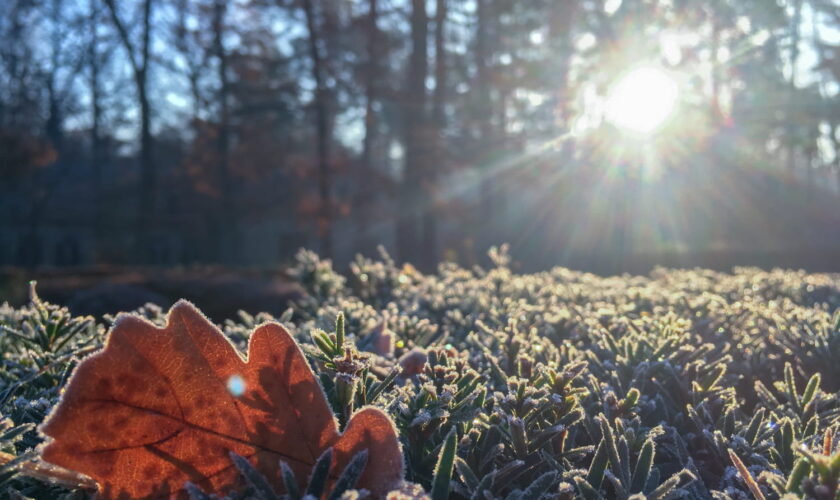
562,384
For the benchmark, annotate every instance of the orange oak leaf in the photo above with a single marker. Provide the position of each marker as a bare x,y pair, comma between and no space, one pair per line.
158,407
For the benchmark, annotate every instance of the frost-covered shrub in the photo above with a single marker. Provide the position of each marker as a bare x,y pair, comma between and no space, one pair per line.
560,384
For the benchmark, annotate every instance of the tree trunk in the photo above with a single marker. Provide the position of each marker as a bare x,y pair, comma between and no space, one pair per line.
414,124
371,93
439,97
147,206
430,215
54,124
361,204
482,71
482,217
96,145
54,132
562,19
228,240
835,136
794,59
714,77
322,131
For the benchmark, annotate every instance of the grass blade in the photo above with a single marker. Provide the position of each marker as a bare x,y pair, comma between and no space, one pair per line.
443,469
320,473
746,476
642,471
289,481
595,476
252,476
350,475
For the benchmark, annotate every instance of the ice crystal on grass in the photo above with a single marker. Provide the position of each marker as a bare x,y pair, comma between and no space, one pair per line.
557,384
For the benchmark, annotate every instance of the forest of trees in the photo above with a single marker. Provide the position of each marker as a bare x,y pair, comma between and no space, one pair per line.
205,104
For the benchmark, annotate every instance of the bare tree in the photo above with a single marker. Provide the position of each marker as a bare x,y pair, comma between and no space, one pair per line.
372,76
482,215
66,59
796,21
226,212
138,54
321,128
430,213
96,143
415,123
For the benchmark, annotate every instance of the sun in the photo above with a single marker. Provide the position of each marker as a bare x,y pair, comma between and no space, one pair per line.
641,100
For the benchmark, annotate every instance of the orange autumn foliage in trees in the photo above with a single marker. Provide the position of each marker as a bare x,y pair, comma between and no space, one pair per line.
153,410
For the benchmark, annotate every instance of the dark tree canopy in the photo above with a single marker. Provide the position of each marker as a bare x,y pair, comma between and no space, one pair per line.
236,132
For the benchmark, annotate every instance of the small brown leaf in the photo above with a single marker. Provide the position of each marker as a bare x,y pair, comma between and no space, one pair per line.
158,407
413,362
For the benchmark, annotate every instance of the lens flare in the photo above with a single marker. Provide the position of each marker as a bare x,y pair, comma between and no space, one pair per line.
236,385
642,100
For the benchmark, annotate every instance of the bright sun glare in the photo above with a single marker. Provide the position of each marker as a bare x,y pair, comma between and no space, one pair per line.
641,100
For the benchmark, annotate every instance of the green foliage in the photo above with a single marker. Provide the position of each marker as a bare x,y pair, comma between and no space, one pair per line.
560,384
443,469
259,487
9,435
